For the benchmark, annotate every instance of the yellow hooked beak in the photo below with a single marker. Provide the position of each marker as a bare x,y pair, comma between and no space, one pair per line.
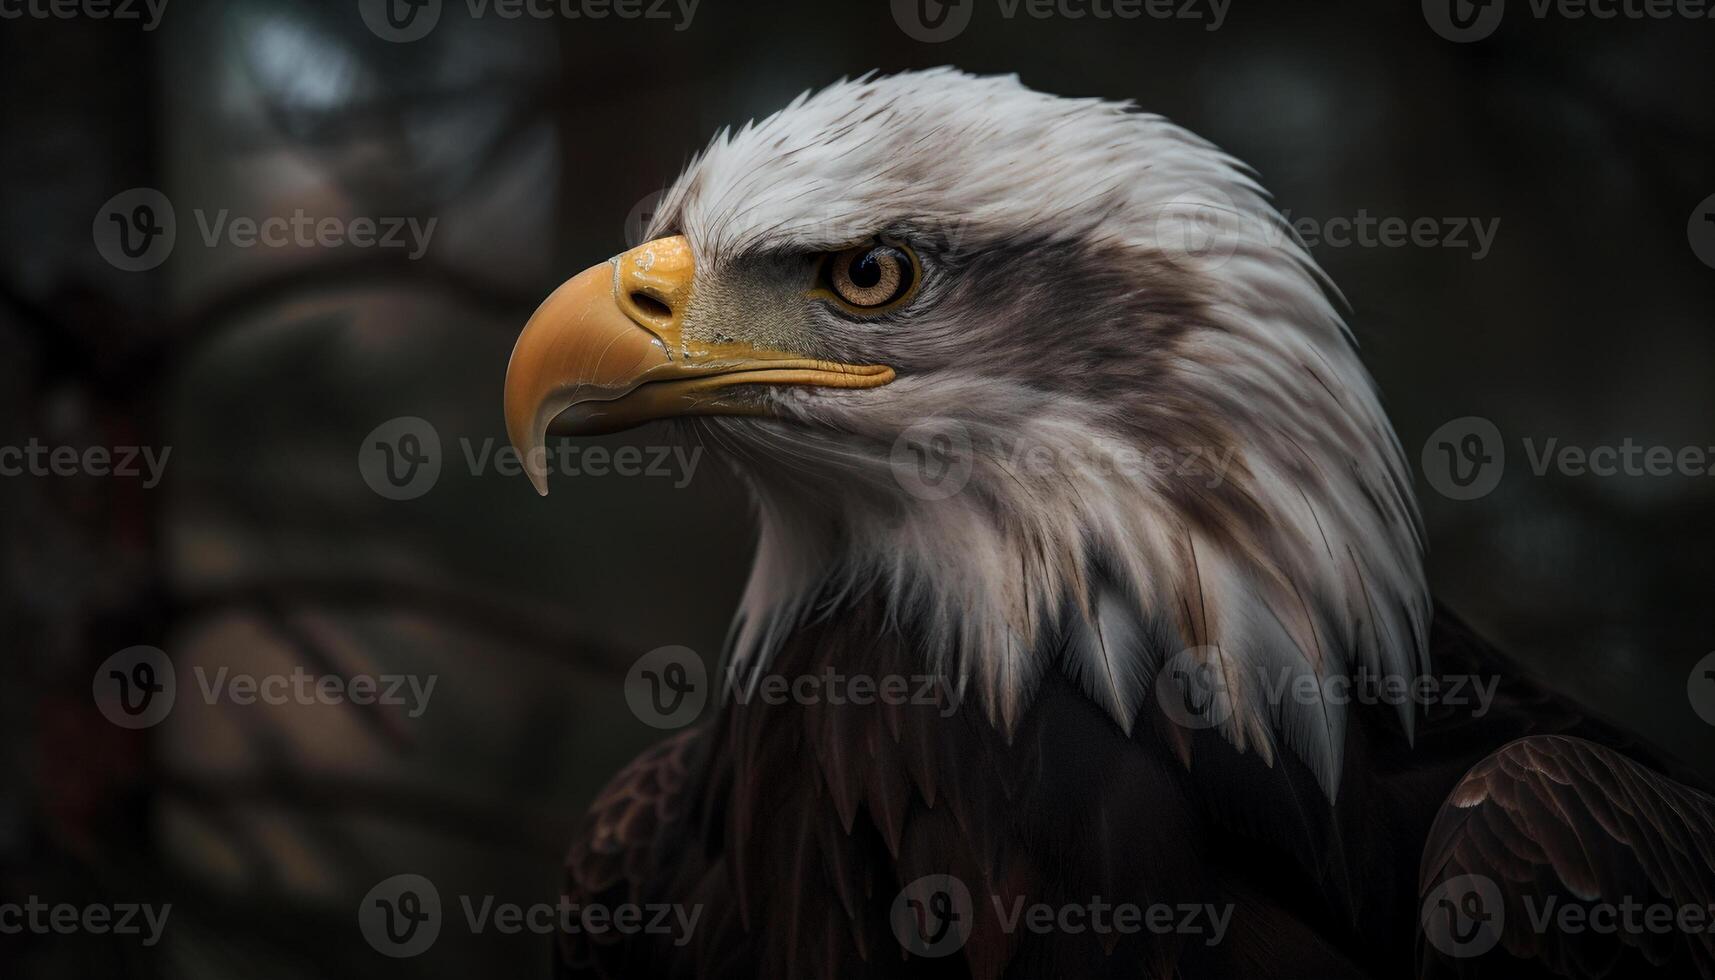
605,351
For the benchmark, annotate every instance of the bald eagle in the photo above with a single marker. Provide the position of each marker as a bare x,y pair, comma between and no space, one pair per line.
1145,674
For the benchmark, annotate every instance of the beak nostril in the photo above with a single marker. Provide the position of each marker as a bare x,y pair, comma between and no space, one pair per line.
651,307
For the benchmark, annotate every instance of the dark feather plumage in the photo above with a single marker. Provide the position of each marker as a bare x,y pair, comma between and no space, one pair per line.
1558,823
794,826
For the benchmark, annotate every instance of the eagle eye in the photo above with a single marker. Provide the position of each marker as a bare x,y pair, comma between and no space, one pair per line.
870,277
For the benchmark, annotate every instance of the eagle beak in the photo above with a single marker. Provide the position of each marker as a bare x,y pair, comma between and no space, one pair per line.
606,351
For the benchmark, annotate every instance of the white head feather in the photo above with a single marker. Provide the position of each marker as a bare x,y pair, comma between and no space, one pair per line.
1061,309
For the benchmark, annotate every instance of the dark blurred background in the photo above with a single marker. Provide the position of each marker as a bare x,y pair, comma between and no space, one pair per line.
534,144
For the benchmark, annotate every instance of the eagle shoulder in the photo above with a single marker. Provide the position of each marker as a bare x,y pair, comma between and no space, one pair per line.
1550,830
628,850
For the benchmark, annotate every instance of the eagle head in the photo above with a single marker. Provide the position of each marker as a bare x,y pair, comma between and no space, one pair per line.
1165,458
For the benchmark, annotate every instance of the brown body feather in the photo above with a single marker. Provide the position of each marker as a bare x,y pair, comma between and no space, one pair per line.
795,825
